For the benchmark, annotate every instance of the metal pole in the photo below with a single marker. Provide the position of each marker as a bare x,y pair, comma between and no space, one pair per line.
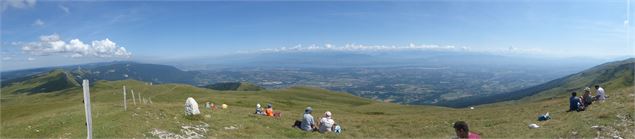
89,120
139,98
125,106
133,99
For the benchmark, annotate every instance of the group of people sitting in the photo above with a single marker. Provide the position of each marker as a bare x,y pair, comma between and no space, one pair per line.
267,112
213,106
326,123
581,103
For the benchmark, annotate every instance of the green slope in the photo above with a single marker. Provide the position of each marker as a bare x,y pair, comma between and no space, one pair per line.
616,74
234,86
60,114
52,81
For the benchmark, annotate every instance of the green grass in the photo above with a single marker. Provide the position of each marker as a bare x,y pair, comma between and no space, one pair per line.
60,114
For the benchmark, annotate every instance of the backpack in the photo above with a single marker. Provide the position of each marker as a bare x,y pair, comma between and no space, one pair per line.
338,129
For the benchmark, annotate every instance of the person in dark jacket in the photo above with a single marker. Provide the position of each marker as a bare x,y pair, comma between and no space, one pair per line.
574,102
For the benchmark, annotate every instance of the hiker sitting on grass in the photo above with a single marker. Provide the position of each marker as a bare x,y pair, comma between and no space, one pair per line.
259,110
269,110
600,96
587,99
308,124
574,103
463,132
326,123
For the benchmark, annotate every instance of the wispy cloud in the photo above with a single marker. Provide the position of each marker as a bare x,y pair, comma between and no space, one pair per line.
65,9
30,59
38,23
18,4
52,44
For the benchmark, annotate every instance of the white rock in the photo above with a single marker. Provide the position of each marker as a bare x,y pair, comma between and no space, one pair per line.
471,108
191,107
533,126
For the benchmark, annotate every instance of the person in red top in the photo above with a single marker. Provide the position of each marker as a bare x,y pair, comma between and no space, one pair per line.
463,132
269,110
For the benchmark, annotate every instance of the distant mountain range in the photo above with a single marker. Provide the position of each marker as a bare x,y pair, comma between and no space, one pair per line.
234,86
120,70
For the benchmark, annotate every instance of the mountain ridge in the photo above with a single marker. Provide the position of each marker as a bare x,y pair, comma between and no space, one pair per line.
627,65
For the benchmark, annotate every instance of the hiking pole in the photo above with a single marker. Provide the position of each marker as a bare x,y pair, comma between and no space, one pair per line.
89,121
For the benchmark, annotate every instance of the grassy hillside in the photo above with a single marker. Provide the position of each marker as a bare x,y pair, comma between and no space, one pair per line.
46,82
234,86
60,113
616,74
117,70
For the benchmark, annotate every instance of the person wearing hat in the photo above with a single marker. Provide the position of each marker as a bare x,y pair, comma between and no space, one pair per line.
587,99
259,110
269,110
308,124
326,123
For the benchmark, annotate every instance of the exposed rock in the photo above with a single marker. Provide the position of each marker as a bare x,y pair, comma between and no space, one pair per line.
187,132
533,126
191,107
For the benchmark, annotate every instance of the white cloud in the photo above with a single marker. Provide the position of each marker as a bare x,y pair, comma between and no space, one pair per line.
52,44
18,4
31,59
38,22
65,9
6,58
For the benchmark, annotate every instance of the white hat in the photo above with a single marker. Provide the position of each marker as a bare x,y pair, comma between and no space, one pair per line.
327,114
258,105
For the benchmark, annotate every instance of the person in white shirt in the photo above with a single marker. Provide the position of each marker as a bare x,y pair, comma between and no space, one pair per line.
326,123
601,96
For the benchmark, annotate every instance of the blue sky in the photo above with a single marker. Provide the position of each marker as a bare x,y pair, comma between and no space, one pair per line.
155,31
